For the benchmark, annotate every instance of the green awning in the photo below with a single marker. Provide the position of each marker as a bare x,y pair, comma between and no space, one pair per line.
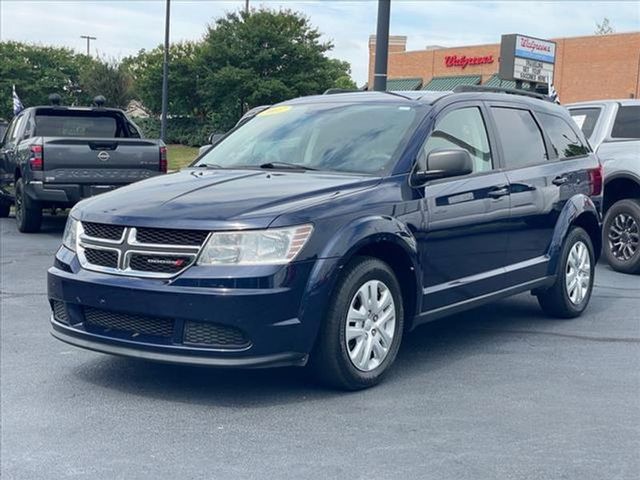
449,83
400,84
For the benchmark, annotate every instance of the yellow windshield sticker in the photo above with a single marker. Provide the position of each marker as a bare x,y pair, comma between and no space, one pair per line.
274,111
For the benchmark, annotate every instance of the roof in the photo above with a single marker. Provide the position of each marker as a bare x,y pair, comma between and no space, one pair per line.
400,84
449,83
595,103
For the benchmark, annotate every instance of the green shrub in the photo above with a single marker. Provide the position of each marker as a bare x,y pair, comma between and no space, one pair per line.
182,130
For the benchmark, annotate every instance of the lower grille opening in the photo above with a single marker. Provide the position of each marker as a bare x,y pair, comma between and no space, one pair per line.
59,311
128,323
214,335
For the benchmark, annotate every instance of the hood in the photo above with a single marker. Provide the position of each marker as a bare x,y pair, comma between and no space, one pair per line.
214,199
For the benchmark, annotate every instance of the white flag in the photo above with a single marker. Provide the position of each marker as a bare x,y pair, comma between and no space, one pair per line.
17,104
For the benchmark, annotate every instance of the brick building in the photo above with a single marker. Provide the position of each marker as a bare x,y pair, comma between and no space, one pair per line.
587,68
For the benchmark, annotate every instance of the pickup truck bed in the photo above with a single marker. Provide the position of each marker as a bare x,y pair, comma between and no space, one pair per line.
54,157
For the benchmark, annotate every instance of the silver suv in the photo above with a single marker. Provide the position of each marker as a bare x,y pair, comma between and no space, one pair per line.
613,129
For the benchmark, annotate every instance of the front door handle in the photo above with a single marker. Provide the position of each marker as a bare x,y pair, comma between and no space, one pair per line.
560,180
498,192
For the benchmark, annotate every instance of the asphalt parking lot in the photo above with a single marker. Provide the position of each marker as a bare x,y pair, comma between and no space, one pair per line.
497,392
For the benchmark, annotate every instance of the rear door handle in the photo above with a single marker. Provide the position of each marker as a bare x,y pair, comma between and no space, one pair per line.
498,192
560,180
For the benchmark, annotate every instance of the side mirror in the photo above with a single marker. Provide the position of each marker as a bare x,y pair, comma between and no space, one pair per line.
215,138
444,164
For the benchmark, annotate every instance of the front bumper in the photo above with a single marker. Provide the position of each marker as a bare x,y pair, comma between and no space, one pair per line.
279,309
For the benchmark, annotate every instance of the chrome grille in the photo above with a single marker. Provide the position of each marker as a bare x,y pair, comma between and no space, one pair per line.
214,335
103,230
59,311
137,254
171,237
127,322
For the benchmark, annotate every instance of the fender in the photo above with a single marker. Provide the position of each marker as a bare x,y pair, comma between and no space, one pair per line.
344,245
573,208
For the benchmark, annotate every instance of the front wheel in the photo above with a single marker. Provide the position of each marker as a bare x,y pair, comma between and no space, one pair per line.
362,332
570,294
621,234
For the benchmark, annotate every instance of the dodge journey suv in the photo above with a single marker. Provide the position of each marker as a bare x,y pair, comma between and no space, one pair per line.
328,227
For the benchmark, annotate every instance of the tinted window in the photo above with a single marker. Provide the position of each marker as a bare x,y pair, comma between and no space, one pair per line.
586,119
341,137
565,141
464,129
627,123
80,123
521,137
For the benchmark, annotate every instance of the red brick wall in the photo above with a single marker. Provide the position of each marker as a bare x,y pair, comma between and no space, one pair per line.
587,68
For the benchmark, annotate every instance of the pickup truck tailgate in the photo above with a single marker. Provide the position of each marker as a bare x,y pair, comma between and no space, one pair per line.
99,160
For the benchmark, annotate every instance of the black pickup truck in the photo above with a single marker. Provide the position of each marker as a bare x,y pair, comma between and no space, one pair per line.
55,156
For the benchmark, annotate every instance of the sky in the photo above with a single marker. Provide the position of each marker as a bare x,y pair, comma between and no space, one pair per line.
124,27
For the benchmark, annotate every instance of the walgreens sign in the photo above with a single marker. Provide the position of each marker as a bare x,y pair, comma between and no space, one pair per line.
463,61
535,49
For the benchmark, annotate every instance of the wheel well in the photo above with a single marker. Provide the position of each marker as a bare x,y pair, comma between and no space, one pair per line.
589,223
396,257
619,189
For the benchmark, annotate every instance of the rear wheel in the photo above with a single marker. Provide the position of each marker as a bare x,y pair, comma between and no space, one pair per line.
621,236
362,332
570,294
28,212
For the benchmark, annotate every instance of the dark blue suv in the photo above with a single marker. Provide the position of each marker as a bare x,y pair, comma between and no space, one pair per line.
327,227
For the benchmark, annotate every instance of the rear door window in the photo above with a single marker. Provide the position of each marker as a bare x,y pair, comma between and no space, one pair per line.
564,139
521,138
586,119
627,122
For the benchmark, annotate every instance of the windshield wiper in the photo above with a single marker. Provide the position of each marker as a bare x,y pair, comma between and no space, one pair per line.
208,165
285,165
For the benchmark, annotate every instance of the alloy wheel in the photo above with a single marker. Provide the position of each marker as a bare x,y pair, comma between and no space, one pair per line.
370,326
578,273
624,237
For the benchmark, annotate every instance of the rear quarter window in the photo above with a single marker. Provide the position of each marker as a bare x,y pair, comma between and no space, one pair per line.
564,139
586,119
627,122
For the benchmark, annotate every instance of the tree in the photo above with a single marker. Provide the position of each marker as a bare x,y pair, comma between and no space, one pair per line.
263,57
107,78
604,28
146,71
38,71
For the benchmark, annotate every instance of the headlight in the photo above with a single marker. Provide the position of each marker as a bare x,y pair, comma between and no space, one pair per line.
70,235
259,247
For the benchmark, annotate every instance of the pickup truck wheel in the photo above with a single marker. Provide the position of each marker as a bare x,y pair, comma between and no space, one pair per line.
4,209
570,294
621,236
28,212
361,335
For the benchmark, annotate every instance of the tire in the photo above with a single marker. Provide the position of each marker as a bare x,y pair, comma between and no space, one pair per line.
5,207
28,212
559,300
331,359
621,236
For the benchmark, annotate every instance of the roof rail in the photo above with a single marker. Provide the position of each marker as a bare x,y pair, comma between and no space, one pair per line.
510,91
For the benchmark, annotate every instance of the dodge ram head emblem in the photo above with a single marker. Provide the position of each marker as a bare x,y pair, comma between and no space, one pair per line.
103,156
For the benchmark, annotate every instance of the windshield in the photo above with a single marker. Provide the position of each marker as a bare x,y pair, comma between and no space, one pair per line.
361,138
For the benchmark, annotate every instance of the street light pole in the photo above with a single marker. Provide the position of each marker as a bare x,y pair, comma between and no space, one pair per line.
165,76
382,46
89,38
246,7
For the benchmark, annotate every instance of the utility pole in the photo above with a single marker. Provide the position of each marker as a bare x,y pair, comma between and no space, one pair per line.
165,77
89,38
246,7
382,46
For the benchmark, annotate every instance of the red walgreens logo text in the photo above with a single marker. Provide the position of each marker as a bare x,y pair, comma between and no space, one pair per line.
464,61
535,46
